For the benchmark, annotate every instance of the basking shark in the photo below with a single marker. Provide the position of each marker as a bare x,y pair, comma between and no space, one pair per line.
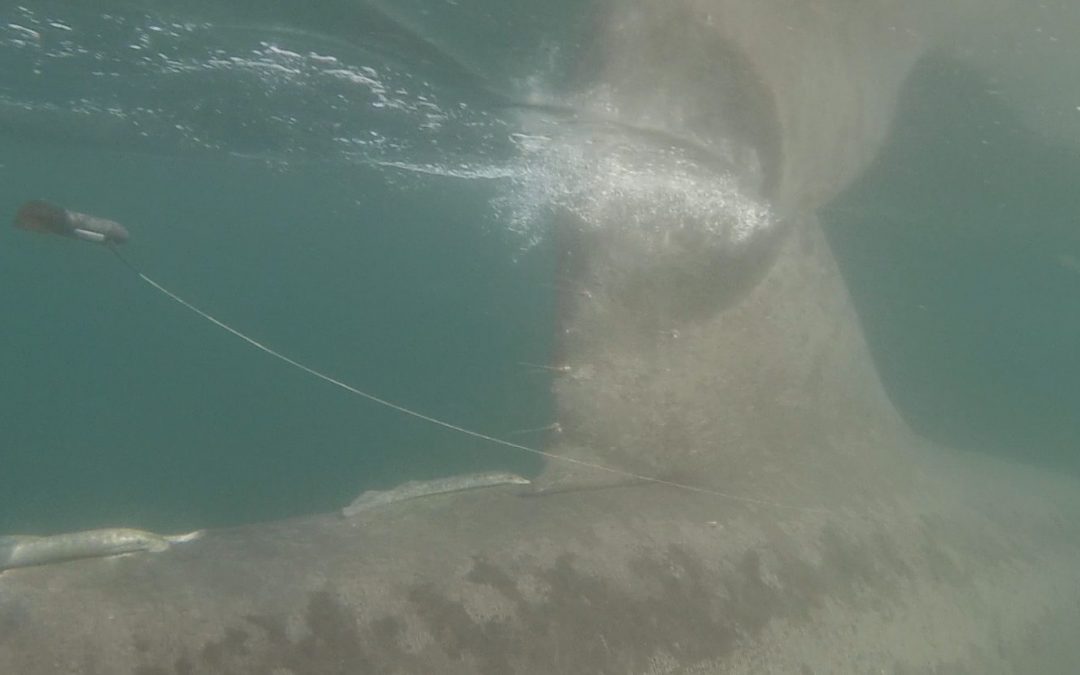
721,354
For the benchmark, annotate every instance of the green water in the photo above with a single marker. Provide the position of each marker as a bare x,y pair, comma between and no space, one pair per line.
122,407
960,246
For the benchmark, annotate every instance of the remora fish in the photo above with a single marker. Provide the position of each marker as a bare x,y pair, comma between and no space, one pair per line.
22,550
423,488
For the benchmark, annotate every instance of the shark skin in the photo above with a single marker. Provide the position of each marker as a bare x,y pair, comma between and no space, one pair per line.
829,538
969,575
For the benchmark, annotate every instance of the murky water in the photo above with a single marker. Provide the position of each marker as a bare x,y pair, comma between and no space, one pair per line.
379,208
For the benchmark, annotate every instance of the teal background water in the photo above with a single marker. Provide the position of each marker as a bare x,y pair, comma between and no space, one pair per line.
118,407
122,407
961,248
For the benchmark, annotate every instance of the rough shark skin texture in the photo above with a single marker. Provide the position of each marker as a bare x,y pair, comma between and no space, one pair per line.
638,579
878,555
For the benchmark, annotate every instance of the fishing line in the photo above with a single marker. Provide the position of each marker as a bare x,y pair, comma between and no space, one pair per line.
434,420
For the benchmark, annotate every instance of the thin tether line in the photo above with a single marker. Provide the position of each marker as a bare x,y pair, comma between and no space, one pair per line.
436,421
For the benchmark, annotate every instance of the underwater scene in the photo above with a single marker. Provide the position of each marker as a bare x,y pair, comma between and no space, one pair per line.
388,224
511,337
367,216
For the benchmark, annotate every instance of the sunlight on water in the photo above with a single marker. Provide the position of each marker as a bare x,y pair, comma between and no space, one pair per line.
255,91
290,97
